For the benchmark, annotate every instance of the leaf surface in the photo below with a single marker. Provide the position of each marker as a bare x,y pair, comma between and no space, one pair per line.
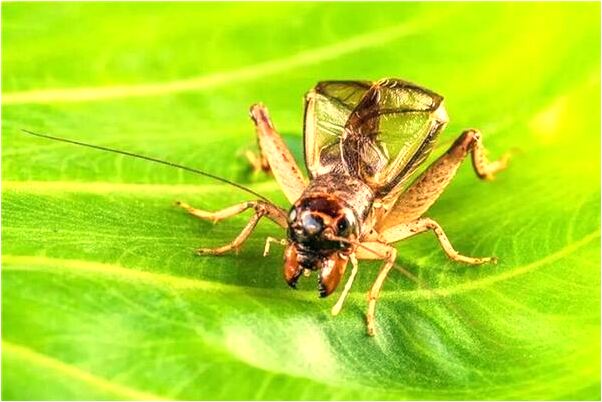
103,298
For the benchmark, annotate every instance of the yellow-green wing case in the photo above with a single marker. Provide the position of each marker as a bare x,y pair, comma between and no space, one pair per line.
327,109
378,131
390,133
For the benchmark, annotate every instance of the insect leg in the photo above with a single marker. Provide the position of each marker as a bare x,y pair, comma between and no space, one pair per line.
268,242
425,190
218,215
485,169
336,309
258,162
261,209
376,251
237,242
405,230
276,154
274,213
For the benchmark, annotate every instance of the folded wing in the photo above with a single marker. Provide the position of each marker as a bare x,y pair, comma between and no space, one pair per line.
380,132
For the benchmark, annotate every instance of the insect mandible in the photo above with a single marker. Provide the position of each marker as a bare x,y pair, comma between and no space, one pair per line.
363,141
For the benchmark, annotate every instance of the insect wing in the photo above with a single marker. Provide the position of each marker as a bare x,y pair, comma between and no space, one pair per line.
327,110
390,133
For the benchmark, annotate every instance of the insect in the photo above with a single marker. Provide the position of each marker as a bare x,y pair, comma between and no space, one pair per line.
363,141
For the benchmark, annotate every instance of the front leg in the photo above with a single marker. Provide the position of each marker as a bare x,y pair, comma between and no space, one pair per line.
236,243
405,230
261,209
376,251
276,156
277,215
427,188
336,309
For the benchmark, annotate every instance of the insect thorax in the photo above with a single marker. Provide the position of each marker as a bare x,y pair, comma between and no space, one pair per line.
354,193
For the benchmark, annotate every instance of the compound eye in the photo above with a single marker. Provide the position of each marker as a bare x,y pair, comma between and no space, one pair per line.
292,215
344,227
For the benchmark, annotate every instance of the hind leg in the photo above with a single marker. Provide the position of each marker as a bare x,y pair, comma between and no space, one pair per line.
275,155
427,188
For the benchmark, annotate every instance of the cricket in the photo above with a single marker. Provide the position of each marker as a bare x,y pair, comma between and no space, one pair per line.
363,142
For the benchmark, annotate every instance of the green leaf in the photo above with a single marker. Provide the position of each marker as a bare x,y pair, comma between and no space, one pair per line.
103,298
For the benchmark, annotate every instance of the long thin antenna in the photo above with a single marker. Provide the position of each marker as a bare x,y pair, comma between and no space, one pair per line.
151,159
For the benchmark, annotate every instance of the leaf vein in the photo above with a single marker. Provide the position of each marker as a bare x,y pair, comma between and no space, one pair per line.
204,82
75,373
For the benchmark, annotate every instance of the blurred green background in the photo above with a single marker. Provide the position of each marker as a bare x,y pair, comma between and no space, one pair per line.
102,297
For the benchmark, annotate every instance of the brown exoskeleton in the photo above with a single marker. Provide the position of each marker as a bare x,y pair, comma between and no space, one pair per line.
363,140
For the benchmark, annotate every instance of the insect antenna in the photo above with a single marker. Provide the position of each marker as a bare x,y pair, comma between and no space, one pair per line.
151,159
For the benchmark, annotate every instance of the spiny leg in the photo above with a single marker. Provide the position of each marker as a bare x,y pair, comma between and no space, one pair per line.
405,230
217,215
376,251
237,242
271,211
336,309
276,155
425,190
261,209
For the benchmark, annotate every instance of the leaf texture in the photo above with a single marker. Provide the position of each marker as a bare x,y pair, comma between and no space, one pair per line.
103,298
